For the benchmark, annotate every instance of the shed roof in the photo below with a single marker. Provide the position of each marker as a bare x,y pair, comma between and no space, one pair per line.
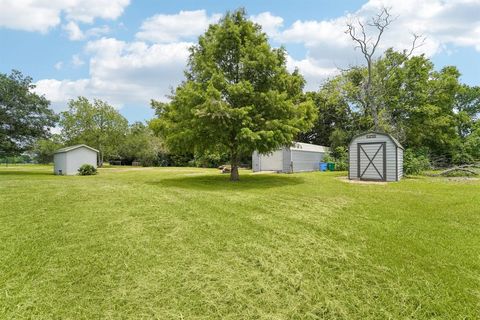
300,146
395,141
67,149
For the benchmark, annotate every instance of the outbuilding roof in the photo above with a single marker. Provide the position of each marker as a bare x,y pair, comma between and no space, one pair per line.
67,149
395,141
300,146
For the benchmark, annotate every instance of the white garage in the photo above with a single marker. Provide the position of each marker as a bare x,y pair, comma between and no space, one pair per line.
296,158
375,156
68,160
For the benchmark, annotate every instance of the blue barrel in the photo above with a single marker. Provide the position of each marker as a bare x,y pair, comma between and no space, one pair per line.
323,166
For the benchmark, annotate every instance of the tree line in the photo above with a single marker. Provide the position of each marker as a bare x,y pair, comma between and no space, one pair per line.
429,111
238,96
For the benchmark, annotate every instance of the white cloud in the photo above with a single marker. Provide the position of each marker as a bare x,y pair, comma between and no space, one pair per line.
123,73
164,28
270,23
58,65
135,72
442,23
87,10
42,15
59,92
97,31
312,70
73,31
77,61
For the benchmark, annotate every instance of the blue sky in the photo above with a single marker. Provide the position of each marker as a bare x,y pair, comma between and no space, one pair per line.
130,51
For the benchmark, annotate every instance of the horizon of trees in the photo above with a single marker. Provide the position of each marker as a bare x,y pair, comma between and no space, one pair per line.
429,111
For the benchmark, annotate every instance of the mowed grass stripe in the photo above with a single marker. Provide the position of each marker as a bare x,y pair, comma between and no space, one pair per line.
187,243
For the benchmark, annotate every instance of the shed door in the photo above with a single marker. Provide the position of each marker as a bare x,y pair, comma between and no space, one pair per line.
372,161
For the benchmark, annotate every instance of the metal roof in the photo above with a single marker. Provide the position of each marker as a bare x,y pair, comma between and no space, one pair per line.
300,146
67,149
395,141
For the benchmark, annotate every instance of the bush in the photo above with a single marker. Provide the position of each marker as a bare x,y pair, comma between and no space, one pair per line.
415,162
339,156
210,159
87,170
462,157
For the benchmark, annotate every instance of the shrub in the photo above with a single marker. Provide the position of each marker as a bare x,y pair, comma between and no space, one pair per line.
339,156
87,170
415,162
210,159
462,157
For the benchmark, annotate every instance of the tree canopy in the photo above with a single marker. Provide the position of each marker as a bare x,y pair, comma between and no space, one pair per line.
237,97
141,145
44,149
425,108
24,115
96,124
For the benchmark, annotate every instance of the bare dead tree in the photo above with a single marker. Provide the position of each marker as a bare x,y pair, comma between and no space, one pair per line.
368,45
380,92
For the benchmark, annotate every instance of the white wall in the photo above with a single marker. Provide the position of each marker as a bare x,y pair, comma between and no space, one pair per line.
77,157
306,160
59,163
400,163
69,162
272,161
287,160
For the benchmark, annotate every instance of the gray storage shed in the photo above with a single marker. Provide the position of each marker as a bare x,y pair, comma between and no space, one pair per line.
375,156
68,160
295,158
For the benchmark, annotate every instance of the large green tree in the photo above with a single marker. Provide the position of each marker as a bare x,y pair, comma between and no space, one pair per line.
142,145
96,124
237,97
423,107
44,149
24,115
467,107
336,120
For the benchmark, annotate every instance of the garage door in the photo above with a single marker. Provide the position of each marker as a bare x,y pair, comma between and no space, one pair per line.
371,161
272,161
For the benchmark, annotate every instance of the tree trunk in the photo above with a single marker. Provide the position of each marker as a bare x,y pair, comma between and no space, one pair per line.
234,176
100,159
368,95
375,117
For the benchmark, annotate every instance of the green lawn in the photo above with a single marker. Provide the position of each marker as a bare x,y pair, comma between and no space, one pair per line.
183,243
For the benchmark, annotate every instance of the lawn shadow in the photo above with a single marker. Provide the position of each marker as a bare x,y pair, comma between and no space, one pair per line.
222,182
25,173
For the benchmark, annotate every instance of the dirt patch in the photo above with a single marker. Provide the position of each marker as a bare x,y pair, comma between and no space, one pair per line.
197,173
264,172
124,169
345,179
461,179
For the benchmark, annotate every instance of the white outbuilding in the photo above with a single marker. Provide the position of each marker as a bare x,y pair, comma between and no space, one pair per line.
375,156
68,160
295,158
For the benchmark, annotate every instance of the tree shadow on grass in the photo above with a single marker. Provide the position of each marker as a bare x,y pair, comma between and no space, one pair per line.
25,173
222,182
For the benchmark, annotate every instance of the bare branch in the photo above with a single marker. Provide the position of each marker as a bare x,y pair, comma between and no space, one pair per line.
368,46
415,44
